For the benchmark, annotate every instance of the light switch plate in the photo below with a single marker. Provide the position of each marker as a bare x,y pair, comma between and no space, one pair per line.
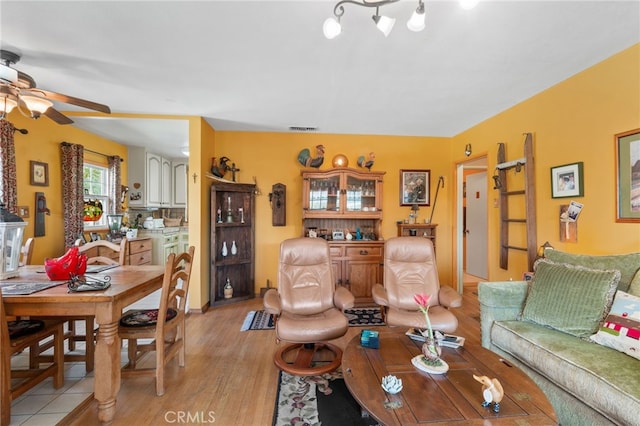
23,211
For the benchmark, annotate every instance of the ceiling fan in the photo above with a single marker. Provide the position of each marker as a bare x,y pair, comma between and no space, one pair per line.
18,89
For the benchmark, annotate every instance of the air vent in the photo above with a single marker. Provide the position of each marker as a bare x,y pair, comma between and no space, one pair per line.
302,129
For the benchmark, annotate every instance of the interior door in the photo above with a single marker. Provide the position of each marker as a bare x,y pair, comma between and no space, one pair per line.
476,229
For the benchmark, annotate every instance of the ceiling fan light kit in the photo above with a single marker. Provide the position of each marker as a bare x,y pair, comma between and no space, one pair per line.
18,89
332,28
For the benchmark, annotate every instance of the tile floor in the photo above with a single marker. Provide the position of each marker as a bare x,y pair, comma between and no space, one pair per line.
44,405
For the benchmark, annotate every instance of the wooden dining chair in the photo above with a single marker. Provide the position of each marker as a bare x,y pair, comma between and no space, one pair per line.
99,252
15,337
165,325
27,252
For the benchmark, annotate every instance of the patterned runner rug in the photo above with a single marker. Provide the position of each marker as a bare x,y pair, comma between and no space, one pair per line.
316,400
364,316
260,320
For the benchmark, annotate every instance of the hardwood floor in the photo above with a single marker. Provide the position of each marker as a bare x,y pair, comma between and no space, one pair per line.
229,378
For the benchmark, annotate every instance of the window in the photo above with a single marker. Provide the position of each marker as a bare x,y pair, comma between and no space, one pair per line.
96,187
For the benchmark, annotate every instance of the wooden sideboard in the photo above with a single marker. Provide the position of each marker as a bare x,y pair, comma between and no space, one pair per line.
139,252
357,265
425,230
344,206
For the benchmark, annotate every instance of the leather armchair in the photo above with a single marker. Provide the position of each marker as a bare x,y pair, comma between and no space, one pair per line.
307,306
409,269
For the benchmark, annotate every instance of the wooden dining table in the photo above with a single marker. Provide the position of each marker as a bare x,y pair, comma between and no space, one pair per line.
128,285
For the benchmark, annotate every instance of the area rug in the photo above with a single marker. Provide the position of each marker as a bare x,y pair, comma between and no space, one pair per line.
364,316
260,320
316,400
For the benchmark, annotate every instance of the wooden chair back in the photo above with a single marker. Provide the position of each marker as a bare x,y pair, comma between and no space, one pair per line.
167,335
101,252
175,287
27,252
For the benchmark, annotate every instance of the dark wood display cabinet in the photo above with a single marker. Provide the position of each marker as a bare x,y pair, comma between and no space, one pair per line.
232,242
344,206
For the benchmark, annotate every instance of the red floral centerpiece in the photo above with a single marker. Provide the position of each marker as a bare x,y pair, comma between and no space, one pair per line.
70,263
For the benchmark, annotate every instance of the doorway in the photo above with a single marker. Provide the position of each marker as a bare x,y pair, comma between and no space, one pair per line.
472,226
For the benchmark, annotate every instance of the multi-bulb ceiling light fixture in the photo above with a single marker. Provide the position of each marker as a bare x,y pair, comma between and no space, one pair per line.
10,96
332,27
18,91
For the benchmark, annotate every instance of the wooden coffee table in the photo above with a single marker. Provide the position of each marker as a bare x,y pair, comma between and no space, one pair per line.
454,397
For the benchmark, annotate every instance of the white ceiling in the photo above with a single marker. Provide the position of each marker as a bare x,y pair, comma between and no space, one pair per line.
265,65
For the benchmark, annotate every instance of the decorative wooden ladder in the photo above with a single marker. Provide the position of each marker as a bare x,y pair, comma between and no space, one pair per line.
529,199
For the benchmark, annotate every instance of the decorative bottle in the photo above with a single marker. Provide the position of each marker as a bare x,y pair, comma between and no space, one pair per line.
234,248
224,249
228,290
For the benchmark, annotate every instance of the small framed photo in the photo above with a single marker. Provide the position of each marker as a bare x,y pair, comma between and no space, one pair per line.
567,181
627,148
414,187
39,173
95,236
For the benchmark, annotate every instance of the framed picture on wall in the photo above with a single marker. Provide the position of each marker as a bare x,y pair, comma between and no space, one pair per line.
39,173
566,181
414,187
627,148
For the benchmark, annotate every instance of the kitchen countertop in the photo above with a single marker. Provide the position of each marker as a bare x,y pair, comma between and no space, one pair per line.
165,230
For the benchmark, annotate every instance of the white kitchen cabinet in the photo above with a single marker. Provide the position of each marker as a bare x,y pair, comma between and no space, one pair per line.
151,182
165,200
179,183
184,241
165,241
170,244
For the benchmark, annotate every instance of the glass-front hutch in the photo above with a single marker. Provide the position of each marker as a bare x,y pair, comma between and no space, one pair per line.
344,206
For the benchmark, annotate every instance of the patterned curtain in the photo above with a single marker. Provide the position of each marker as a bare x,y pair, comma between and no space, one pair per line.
8,180
72,190
115,184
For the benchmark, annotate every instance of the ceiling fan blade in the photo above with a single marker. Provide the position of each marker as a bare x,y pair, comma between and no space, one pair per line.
57,116
73,101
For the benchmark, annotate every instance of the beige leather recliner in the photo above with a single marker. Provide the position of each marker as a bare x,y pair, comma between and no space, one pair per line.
307,306
410,269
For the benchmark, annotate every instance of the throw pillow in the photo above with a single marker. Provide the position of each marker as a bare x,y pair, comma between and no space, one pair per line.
628,264
634,287
569,298
621,328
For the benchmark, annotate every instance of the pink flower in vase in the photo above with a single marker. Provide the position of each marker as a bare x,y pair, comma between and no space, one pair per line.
423,303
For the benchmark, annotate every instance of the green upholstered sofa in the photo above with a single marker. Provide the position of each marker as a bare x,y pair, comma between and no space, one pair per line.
587,383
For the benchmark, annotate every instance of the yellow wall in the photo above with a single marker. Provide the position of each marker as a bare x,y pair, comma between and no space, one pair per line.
573,121
272,158
201,147
43,144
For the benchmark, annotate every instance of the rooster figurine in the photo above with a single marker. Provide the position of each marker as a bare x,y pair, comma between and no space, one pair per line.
367,163
492,392
305,158
221,169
